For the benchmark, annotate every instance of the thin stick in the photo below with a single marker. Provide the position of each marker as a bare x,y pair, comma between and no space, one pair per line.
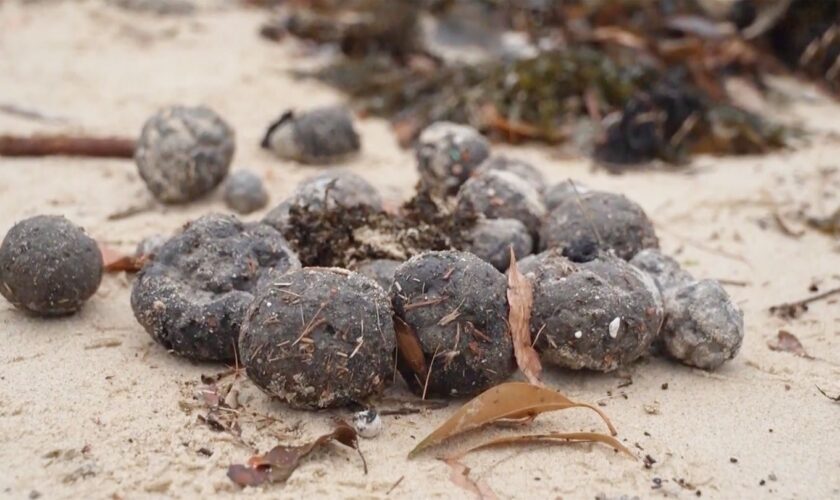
429,373
392,488
805,301
64,145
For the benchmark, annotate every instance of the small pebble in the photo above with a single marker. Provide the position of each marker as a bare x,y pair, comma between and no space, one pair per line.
447,155
367,423
49,266
663,269
244,192
184,152
491,240
317,136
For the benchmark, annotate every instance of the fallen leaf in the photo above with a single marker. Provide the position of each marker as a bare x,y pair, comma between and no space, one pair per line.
554,437
521,299
507,402
460,476
787,342
114,261
409,347
277,465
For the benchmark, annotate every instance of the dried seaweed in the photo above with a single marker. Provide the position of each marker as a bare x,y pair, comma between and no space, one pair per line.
650,74
342,236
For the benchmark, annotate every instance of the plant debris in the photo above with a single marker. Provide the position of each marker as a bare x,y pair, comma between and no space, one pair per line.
507,402
649,76
836,398
460,476
115,262
66,145
787,342
829,225
277,465
793,310
520,300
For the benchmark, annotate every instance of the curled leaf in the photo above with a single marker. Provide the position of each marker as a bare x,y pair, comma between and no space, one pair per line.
506,402
554,437
279,463
521,299
410,350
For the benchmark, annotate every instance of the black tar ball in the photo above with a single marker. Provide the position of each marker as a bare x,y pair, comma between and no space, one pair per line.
615,222
193,296
320,338
184,152
49,266
599,315
317,136
455,304
379,270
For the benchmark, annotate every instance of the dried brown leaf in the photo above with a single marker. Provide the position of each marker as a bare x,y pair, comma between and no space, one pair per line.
505,402
114,261
410,350
460,476
278,464
787,342
521,299
554,437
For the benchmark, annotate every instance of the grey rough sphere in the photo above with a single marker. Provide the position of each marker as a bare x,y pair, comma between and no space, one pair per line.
150,245
184,152
599,315
245,192
563,191
379,270
447,155
497,194
664,270
193,296
703,327
491,239
49,266
614,221
320,338
317,136
515,166
456,304
337,188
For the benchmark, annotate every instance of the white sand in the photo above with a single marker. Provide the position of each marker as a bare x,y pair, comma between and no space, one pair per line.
106,71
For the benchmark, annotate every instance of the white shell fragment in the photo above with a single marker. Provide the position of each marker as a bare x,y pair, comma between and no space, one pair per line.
614,326
578,334
367,423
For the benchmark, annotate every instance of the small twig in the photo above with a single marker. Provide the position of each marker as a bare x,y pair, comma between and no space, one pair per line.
64,145
800,304
730,282
429,373
423,303
29,113
392,488
836,399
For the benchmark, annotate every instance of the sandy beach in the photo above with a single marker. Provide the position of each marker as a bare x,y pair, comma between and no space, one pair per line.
91,407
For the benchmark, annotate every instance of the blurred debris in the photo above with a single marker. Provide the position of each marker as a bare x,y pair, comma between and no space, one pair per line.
651,75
